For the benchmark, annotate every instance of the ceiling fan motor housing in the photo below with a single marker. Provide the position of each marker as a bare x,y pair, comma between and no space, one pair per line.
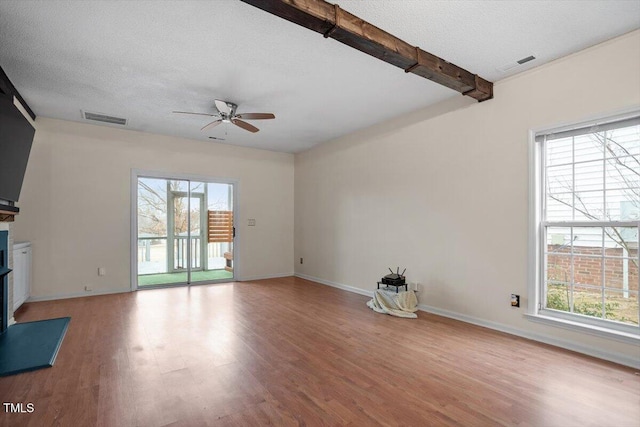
226,117
227,114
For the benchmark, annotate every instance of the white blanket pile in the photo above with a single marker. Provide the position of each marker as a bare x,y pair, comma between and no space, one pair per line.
401,304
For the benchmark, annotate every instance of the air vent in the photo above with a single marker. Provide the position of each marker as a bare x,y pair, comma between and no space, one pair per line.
97,117
510,66
527,59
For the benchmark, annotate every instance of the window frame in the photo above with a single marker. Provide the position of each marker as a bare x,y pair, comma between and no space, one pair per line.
537,238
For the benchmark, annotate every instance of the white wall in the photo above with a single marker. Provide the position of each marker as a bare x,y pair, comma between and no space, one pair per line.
444,192
75,202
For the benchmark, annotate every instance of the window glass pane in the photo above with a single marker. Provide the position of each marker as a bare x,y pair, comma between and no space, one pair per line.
623,172
559,207
560,179
621,241
589,176
621,205
152,219
587,270
588,147
623,142
152,209
219,248
198,188
587,241
621,274
589,205
630,210
559,240
178,185
559,151
587,300
558,269
558,297
560,193
622,306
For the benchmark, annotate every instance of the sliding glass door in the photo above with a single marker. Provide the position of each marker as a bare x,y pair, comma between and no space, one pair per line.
184,231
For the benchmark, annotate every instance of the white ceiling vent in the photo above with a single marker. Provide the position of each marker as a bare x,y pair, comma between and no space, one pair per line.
518,63
97,117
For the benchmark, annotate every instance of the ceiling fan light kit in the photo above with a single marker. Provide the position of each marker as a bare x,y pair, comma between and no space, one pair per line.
227,114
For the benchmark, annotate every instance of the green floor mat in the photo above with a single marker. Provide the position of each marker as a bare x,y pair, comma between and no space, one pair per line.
31,345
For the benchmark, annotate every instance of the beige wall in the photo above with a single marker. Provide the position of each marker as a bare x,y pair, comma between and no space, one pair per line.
444,192
75,202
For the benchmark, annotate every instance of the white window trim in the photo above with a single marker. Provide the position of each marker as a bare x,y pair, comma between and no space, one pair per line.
534,309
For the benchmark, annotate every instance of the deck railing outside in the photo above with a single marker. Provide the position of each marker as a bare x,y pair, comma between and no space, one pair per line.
153,250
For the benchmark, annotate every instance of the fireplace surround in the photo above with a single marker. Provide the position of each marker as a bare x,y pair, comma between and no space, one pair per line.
4,280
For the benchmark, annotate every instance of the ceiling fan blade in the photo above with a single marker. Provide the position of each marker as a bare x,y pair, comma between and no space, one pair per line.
245,125
197,114
222,106
211,125
255,116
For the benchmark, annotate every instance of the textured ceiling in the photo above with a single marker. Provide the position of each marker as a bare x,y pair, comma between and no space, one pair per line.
142,59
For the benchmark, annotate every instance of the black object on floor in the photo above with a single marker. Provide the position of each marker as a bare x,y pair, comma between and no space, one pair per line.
396,279
31,345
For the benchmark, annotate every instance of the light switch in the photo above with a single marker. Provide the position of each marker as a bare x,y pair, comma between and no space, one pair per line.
252,222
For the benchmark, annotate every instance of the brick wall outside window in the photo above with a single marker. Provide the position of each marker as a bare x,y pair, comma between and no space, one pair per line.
588,266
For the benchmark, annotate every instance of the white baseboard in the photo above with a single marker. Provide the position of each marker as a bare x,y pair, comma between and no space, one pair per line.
128,289
557,342
78,295
547,339
275,276
336,285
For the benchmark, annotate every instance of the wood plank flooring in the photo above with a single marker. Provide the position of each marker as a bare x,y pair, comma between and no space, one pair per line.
292,352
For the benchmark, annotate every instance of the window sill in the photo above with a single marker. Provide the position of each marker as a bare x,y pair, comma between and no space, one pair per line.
625,337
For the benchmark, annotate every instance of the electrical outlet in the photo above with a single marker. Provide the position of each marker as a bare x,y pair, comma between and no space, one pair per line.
252,222
102,271
88,288
301,260
515,300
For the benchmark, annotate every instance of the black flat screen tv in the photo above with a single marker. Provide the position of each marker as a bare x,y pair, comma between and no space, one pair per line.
16,137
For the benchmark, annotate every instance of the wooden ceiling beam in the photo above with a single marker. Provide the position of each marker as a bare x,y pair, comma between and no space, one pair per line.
332,21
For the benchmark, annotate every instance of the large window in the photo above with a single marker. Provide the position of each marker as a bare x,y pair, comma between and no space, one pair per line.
587,217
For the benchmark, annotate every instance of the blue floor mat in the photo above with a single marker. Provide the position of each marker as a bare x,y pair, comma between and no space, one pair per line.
31,345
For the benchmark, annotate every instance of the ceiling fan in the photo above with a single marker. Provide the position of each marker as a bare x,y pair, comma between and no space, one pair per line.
227,114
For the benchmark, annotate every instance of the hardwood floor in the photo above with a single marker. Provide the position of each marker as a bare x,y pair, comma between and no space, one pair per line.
292,352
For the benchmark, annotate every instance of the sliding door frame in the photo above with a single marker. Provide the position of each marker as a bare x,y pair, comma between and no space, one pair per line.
141,173
202,205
